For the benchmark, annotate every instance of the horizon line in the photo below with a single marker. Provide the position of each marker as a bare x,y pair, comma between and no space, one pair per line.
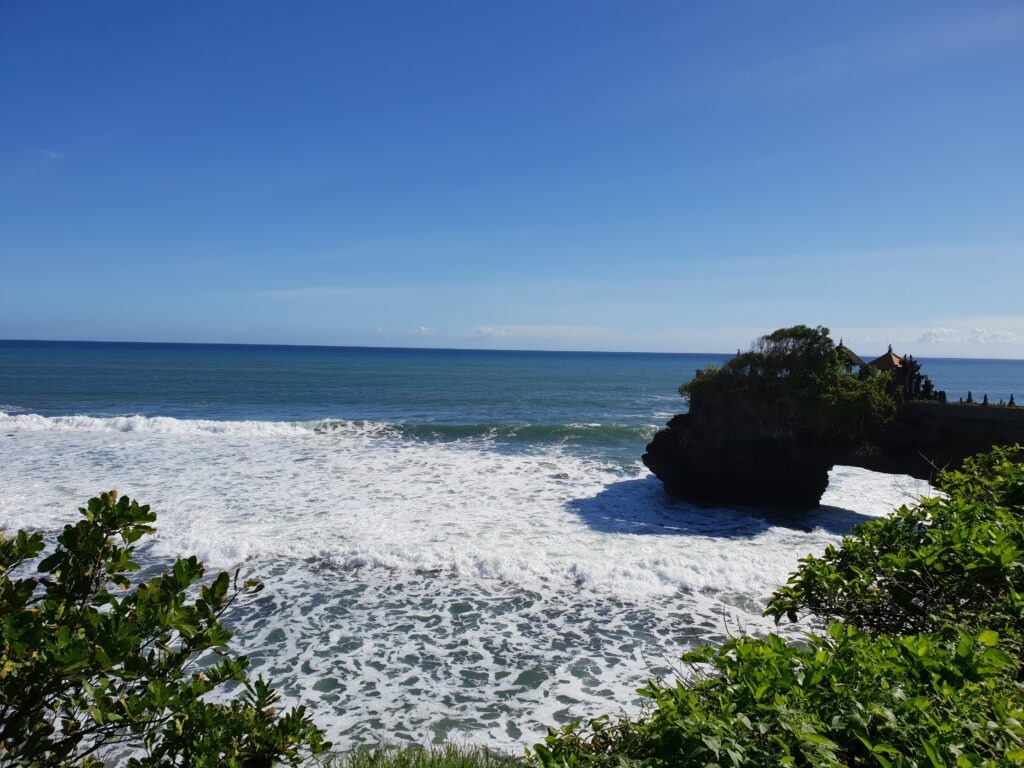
429,349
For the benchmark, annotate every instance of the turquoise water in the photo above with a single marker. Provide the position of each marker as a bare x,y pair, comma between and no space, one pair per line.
456,544
406,386
609,402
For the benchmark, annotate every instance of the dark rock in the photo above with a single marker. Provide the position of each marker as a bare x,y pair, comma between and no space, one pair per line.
735,455
709,462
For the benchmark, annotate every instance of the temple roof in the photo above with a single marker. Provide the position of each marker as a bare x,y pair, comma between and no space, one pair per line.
887,362
847,355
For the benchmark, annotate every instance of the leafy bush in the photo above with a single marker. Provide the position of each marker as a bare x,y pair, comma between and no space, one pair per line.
925,671
92,662
447,756
842,699
951,561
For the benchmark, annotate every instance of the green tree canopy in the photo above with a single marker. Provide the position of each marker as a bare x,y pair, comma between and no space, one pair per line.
793,377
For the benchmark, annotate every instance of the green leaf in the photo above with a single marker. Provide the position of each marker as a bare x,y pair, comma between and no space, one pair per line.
932,753
817,738
988,638
998,658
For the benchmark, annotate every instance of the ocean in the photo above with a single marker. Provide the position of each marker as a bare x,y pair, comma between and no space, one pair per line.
456,544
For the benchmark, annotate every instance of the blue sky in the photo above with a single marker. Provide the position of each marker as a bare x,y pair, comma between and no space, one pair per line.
662,176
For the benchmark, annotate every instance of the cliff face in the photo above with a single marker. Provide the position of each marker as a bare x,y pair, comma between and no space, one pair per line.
926,436
731,455
728,453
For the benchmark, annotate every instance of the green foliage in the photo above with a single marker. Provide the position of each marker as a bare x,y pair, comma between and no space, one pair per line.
696,384
447,756
926,669
93,661
842,699
794,376
953,560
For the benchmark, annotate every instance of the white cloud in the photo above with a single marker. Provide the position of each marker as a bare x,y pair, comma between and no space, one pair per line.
50,154
423,330
939,336
951,336
985,336
972,336
573,332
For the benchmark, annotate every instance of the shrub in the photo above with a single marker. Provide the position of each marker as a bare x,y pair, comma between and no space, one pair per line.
924,669
94,662
446,756
951,561
842,699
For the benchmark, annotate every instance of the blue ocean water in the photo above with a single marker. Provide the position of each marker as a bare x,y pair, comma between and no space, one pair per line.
456,544
957,376
609,401
410,386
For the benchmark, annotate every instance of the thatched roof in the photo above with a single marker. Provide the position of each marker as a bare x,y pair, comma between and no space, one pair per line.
847,355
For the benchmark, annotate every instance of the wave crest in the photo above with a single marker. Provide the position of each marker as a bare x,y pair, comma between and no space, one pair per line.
590,433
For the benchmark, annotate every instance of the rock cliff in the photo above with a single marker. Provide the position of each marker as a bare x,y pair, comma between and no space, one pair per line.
731,452
766,427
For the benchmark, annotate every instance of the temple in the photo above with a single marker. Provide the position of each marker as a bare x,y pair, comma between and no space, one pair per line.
890,361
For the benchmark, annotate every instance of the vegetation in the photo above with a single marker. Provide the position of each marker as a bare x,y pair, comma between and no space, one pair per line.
795,376
946,564
921,667
447,756
94,664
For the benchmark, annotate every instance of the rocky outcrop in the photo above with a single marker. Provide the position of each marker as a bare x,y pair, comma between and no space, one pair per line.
731,454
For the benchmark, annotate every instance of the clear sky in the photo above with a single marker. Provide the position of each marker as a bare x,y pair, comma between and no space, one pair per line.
665,176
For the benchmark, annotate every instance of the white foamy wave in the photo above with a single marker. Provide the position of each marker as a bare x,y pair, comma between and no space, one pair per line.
169,425
540,518
435,589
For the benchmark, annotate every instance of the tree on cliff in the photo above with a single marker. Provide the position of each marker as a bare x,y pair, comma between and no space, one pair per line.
794,377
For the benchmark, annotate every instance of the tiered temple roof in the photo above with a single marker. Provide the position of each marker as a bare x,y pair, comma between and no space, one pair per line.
890,361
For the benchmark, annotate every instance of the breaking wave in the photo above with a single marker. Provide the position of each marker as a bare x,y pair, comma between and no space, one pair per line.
422,581
591,433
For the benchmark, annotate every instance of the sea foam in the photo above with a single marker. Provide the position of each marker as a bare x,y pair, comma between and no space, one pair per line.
432,589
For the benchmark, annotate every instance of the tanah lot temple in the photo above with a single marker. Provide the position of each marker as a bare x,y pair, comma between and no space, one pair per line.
907,371
722,452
